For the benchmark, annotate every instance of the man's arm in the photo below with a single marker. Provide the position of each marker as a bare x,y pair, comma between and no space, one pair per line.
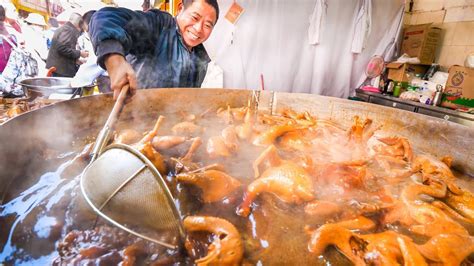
115,32
122,31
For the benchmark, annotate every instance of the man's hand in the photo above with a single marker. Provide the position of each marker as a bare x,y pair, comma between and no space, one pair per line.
80,61
84,53
121,73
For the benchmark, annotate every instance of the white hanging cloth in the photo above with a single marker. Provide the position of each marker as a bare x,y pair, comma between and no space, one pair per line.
264,43
362,26
316,21
387,45
214,76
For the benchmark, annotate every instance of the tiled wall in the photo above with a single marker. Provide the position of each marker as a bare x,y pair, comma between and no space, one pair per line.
456,18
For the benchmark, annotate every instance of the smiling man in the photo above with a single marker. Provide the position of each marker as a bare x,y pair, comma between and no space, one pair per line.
152,49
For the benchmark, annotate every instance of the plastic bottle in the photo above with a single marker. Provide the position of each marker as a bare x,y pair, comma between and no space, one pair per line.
397,89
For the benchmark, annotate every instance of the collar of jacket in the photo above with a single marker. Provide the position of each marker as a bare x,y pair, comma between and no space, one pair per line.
69,24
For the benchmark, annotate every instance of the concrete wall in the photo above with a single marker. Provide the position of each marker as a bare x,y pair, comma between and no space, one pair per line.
456,18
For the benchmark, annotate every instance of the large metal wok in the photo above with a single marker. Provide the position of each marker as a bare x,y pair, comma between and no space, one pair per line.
26,138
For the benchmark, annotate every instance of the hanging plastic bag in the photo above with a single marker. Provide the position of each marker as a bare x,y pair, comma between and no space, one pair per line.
14,72
31,67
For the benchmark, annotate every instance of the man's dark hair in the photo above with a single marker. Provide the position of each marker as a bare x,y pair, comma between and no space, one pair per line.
86,18
212,3
2,13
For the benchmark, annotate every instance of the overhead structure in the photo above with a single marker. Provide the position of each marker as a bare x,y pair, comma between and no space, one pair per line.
170,6
81,8
109,2
33,6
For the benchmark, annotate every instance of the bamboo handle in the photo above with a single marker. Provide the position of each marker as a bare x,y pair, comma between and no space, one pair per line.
115,113
103,136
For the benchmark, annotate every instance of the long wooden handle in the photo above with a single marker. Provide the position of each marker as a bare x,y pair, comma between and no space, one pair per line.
103,136
115,113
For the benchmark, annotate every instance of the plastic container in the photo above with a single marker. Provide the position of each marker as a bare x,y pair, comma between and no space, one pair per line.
425,99
412,88
397,89
389,87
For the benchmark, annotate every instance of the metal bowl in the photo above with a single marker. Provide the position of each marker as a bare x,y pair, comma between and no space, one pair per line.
35,87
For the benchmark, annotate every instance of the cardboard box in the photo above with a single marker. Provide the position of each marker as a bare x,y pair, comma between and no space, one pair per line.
421,41
400,71
459,90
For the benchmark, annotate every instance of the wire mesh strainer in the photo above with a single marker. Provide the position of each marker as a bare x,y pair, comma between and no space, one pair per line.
126,189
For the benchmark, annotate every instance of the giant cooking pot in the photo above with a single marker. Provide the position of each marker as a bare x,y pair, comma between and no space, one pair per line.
27,138
56,126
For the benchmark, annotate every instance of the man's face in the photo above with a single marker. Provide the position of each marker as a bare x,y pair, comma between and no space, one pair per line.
196,22
85,27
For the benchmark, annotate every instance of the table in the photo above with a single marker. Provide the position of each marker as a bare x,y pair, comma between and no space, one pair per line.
417,107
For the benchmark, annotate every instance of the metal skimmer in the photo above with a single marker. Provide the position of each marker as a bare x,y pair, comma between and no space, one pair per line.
126,189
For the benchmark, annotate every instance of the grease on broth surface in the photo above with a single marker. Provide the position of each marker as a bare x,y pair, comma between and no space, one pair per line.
283,181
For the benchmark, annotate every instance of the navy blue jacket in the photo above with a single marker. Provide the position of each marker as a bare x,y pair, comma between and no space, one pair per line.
152,43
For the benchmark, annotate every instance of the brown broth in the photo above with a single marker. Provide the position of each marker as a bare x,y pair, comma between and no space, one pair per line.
48,222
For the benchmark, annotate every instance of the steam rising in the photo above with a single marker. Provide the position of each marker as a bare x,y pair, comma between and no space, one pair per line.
36,143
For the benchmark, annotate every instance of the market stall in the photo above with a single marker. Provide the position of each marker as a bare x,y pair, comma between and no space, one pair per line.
28,6
277,172
45,162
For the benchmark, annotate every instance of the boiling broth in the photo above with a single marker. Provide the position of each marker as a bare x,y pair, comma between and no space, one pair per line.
47,221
